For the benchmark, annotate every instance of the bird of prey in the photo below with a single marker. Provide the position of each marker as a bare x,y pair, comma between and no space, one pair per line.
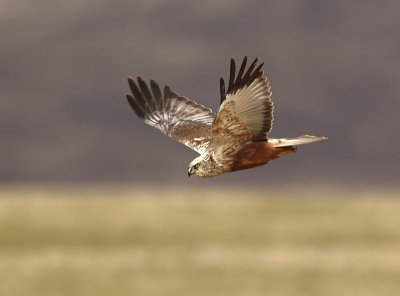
235,138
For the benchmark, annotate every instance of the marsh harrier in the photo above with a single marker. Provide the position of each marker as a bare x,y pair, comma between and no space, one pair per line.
235,138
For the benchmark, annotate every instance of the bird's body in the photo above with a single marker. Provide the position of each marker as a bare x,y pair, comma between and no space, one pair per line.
249,155
235,138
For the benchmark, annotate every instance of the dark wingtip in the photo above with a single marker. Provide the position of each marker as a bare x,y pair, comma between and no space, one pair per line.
148,97
130,99
132,84
167,91
156,91
138,111
136,99
222,90
242,79
232,75
241,71
139,78
131,80
257,72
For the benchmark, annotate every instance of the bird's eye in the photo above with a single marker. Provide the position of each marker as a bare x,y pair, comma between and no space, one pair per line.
196,166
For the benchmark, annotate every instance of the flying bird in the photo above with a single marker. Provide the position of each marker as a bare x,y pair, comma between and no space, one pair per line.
235,138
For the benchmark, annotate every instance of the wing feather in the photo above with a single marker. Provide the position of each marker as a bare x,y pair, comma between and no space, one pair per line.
241,71
176,116
232,75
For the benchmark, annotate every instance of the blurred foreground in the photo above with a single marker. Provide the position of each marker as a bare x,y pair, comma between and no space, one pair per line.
119,241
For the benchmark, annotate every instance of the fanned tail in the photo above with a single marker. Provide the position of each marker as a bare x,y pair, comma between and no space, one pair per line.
285,142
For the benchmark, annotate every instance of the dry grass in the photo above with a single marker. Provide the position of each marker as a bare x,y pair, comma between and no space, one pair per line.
116,241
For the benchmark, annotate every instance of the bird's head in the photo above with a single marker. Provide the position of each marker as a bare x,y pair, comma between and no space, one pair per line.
199,166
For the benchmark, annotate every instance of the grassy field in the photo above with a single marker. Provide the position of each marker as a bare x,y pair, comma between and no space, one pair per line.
121,241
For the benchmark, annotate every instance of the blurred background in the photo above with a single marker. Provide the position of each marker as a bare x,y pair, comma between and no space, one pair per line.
334,69
95,202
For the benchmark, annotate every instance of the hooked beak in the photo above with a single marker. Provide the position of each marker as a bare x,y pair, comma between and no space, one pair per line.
189,174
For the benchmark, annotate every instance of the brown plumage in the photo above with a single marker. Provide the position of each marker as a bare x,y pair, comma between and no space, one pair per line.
235,138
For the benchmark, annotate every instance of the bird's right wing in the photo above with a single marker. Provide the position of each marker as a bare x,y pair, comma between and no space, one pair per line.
177,117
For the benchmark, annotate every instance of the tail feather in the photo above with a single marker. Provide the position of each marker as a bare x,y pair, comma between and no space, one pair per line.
305,139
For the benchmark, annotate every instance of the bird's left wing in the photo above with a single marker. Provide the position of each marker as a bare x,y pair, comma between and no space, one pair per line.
246,111
176,116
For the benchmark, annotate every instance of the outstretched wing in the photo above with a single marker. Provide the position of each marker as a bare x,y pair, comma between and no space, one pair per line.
246,107
178,117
